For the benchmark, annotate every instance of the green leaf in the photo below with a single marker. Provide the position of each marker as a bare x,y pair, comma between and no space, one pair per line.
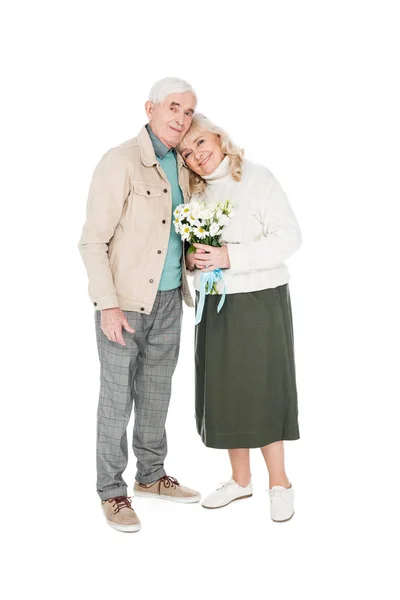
191,250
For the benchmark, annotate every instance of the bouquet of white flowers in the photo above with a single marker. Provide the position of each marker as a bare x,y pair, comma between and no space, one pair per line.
202,223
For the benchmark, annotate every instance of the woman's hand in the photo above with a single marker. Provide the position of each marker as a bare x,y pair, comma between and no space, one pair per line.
209,258
190,263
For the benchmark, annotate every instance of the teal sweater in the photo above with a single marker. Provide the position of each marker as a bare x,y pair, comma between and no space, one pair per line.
172,273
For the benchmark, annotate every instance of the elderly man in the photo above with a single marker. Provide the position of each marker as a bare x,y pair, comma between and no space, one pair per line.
137,278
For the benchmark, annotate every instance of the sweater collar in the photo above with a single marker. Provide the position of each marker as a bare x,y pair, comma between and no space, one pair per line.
221,172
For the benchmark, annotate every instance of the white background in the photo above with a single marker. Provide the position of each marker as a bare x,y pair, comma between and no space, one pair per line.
309,89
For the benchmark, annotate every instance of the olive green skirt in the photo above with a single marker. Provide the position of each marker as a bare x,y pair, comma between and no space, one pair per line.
246,394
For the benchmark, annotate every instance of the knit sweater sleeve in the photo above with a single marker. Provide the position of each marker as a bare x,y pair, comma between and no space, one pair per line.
281,233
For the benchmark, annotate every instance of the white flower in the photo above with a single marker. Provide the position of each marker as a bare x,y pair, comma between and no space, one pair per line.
178,210
199,232
214,229
185,232
193,221
195,209
185,211
207,214
218,213
224,220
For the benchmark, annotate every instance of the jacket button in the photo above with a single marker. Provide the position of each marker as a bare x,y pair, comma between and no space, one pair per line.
142,308
165,191
95,303
151,280
164,221
148,192
158,251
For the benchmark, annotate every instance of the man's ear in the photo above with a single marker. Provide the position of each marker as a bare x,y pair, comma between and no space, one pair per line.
149,106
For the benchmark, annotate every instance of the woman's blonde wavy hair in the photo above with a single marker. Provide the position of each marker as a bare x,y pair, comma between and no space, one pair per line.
201,123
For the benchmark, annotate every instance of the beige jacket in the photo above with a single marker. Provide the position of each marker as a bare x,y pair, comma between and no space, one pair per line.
128,220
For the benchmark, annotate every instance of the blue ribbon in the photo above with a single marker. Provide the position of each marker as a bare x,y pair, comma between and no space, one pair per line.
210,278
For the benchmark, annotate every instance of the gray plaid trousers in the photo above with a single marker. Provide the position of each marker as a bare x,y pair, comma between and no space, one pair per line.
139,373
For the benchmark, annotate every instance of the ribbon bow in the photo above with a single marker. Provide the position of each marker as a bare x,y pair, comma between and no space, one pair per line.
209,279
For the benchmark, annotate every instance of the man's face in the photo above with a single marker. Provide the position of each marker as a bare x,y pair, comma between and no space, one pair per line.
171,119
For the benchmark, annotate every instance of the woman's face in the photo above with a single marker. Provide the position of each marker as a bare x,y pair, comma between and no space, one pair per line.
202,152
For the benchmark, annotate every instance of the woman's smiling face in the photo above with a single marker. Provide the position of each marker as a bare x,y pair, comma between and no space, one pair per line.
201,151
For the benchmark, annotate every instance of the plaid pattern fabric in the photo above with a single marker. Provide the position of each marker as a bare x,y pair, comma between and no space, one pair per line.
138,374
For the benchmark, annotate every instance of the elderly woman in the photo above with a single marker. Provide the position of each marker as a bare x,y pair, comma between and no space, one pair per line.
246,393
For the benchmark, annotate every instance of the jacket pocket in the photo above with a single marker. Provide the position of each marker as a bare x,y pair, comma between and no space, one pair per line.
147,190
147,203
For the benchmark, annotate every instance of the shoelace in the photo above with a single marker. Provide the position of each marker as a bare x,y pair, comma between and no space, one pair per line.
223,484
282,493
169,482
120,503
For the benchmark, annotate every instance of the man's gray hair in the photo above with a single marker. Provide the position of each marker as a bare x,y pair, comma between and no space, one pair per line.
169,85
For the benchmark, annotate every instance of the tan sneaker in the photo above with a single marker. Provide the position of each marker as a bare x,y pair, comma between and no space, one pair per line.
120,515
167,488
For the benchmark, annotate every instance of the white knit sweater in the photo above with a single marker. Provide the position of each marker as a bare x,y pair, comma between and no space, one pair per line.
263,233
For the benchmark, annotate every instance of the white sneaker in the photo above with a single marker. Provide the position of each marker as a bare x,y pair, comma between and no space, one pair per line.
281,503
227,493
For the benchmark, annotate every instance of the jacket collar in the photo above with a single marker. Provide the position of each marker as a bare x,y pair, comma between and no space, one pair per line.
146,149
180,161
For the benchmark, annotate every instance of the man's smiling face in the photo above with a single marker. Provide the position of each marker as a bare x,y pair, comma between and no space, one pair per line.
171,119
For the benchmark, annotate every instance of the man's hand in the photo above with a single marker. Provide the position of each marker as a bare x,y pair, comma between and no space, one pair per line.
211,258
112,322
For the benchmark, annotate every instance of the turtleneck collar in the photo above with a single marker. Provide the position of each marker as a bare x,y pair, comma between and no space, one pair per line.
221,172
160,148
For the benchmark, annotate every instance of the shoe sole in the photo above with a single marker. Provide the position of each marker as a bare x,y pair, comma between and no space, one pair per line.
125,528
230,502
283,520
188,500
